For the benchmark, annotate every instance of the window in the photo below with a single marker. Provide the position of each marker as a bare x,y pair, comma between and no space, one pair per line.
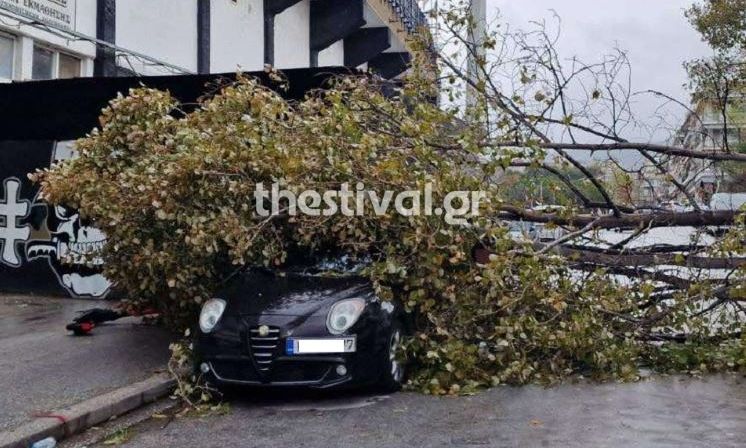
51,64
43,64
7,55
69,66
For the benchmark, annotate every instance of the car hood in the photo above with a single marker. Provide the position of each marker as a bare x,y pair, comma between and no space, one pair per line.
263,293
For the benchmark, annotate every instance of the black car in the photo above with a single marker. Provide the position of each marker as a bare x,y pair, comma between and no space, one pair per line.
301,327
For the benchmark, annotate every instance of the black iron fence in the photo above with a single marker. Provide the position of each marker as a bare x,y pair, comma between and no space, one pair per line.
411,15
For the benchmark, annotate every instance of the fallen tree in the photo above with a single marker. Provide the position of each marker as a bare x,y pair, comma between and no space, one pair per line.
174,191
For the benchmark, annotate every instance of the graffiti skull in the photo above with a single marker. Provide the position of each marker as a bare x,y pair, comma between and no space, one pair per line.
72,252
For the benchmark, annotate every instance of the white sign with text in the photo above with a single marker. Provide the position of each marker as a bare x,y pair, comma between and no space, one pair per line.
59,13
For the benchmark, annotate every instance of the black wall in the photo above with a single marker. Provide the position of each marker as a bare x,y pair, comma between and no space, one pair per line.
34,118
17,158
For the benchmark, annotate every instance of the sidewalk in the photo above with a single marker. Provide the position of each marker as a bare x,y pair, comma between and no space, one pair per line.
44,368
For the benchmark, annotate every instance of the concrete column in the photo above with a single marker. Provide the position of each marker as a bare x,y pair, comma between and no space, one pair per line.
24,58
86,68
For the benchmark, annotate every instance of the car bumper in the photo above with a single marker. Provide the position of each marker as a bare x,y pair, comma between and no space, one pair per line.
314,372
227,355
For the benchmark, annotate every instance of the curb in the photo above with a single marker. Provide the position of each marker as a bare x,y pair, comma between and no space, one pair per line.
88,413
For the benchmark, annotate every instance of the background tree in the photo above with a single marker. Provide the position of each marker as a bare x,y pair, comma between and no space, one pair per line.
722,23
719,82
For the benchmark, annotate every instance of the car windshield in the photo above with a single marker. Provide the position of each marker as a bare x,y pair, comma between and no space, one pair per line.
328,265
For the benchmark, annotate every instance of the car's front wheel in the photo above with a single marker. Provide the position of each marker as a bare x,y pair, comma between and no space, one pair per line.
393,369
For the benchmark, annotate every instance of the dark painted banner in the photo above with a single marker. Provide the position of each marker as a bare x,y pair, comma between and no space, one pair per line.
42,247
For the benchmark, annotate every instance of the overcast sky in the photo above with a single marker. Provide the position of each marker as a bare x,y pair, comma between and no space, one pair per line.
655,33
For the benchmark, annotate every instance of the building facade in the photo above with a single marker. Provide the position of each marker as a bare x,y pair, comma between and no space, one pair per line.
49,39
711,128
708,128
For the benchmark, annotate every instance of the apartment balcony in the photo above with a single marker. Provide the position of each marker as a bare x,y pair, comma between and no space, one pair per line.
403,17
410,14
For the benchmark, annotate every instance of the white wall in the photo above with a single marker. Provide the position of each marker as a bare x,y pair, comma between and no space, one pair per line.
292,36
237,35
85,22
163,29
333,55
371,18
396,45
167,30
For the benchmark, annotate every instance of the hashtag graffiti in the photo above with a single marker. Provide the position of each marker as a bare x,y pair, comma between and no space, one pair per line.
12,210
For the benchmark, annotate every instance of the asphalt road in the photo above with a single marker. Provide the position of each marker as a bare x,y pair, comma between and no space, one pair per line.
661,412
43,368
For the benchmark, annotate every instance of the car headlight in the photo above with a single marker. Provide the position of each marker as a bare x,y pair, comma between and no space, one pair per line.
210,315
344,314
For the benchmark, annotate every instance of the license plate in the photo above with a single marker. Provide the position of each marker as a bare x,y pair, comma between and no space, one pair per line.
308,346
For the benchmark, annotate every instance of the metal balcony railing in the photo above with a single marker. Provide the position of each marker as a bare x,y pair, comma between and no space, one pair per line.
410,13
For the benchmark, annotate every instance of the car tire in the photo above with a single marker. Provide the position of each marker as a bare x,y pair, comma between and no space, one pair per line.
393,371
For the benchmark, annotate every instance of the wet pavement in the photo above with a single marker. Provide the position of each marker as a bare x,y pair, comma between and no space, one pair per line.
659,412
43,368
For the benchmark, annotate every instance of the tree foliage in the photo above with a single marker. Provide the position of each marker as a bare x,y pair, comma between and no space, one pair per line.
540,187
173,189
722,23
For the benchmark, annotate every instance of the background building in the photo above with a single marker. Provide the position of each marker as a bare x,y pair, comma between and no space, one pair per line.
708,127
48,39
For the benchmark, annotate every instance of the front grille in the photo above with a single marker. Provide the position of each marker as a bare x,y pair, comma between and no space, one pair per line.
264,348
